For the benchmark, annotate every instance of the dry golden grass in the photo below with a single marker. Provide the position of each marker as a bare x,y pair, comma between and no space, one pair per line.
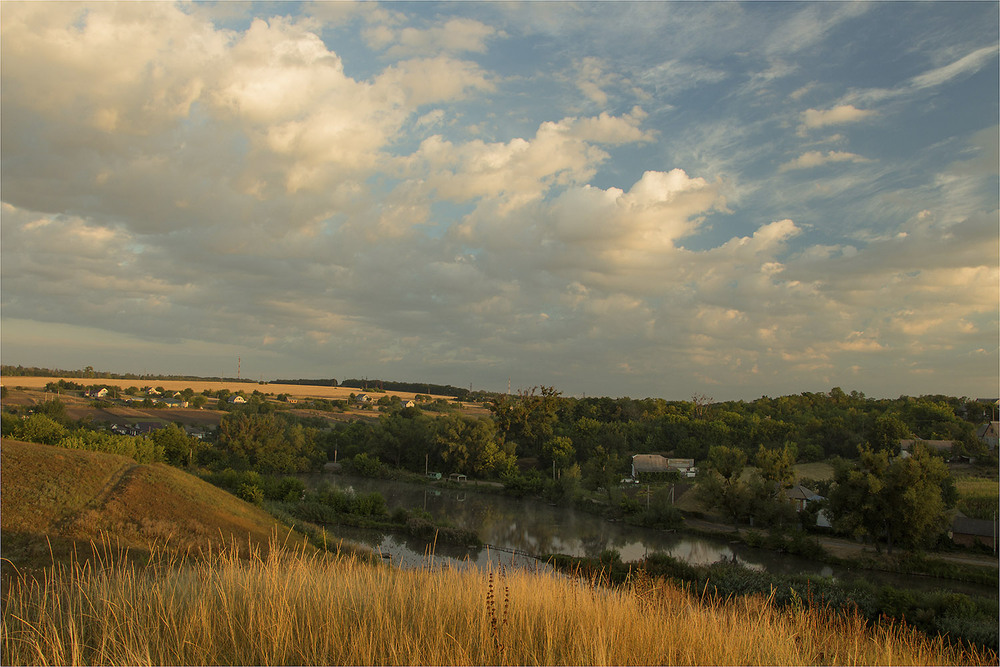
288,608
55,498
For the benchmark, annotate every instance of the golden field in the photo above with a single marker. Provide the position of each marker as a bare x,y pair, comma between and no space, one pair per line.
29,382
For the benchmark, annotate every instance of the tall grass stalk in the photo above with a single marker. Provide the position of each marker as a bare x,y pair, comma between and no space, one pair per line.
285,607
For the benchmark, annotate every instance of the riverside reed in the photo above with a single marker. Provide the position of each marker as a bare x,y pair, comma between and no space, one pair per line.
292,608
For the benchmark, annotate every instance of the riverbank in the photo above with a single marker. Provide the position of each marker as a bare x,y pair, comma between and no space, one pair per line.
537,525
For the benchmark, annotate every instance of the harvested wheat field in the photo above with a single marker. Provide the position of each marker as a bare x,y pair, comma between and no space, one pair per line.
30,382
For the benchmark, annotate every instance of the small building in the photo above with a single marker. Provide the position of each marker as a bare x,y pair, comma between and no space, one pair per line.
98,393
989,434
362,399
457,477
407,403
970,532
173,402
236,399
800,496
941,446
656,463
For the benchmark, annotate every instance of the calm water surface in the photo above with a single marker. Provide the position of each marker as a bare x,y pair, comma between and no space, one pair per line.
515,527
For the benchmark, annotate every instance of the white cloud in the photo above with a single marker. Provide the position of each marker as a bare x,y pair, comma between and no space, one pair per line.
521,170
457,35
201,190
839,115
431,80
965,65
811,159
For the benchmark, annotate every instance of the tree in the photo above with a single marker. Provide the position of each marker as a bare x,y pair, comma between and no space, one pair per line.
37,428
559,450
775,474
720,484
889,429
178,447
901,501
603,470
527,418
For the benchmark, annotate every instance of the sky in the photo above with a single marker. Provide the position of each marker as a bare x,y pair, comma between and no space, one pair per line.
614,199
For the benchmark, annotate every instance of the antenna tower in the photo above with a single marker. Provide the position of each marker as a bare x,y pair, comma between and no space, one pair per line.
239,362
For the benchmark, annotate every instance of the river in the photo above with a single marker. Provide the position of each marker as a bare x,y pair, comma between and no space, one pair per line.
515,527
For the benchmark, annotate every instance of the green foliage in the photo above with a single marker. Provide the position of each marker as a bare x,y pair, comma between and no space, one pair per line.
528,418
251,493
265,442
527,484
610,557
35,428
140,448
899,501
367,466
178,447
720,485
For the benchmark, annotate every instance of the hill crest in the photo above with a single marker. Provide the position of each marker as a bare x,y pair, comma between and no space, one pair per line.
58,500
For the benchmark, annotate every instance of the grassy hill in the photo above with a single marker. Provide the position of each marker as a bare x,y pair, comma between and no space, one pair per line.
57,499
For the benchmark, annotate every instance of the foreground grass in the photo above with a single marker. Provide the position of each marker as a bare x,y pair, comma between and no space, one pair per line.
286,608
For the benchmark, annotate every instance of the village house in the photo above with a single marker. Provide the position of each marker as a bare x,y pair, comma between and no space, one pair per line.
989,434
656,463
941,446
173,402
97,393
970,532
236,399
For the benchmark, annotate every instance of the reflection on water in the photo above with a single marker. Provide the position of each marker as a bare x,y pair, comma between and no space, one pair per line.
534,527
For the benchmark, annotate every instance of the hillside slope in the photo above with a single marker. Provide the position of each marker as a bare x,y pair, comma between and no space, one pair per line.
62,498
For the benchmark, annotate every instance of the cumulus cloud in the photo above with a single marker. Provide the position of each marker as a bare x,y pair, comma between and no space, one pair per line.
522,170
195,182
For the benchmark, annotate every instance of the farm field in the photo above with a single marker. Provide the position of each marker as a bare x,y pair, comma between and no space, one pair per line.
32,391
336,393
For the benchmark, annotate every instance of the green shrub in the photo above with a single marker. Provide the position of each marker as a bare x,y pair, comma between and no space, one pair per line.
367,466
251,493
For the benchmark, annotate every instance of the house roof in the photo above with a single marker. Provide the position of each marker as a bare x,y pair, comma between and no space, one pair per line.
650,463
799,492
991,428
967,526
939,445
